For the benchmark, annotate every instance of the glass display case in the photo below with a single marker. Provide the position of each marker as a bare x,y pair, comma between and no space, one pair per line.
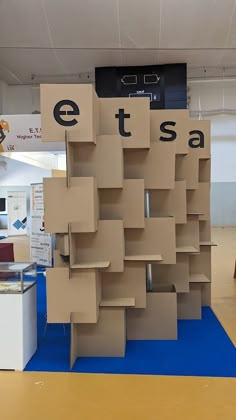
17,277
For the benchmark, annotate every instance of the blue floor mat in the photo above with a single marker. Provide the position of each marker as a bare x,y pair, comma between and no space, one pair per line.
202,349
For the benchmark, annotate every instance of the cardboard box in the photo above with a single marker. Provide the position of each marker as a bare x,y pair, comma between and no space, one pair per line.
125,204
136,124
156,165
104,161
105,245
173,274
187,169
80,294
131,283
179,126
59,260
63,205
158,321
187,235
189,305
158,237
62,244
164,203
82,113
107,338
198,201
203,140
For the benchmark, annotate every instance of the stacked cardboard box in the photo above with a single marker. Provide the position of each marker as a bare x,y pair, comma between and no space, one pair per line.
118,150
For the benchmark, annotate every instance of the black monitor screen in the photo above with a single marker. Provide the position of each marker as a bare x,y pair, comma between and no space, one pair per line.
165,85
2,204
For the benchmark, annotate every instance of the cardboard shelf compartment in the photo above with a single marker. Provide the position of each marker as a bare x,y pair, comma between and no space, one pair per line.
150,258
118,302
207,243
198,278
187,250
97,264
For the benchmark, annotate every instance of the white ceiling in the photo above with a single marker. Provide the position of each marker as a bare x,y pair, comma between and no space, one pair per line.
64,38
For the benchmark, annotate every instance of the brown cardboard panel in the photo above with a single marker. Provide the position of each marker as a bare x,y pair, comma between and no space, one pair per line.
205,290
205,127
58,173
205,230
58,260
81,293
188,234
96,264
126,204
204,170
189,305
169,202
187,169
62,244
176,274
104,161
117,302
64,205
157,322
107,244
156,165
86,125
137,122
158,236
180,119
180,202
131,283
198,201
107,338
186,250
201,263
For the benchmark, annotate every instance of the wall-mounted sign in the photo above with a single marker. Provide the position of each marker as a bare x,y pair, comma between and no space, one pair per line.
22,133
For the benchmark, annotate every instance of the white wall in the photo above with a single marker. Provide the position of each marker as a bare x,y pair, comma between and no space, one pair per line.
223,163
14,173
19,99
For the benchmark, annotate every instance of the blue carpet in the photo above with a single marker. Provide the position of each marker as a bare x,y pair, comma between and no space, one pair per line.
202,349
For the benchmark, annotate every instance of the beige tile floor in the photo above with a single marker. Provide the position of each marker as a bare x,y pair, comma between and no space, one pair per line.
223,283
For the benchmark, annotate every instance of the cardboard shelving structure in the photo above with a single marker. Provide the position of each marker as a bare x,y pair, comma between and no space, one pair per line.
117,151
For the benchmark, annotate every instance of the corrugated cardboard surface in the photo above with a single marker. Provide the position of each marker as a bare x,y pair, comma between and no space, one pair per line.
156,165
157,322
201,263
205,230
103,161
107,338
107,244
180,118
204,170
158,237
187,169
177,274
188,234
205,292
189,305
81,294
138,124
169,202
129,284
88,120
125,204
62,244
198,201
66,205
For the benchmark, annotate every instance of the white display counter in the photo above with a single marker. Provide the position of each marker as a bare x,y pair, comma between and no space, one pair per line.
18,327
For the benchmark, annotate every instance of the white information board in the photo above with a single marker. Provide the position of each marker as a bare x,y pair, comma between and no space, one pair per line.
40,242
17,213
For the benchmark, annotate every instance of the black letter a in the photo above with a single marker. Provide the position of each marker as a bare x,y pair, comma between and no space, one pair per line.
199,139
